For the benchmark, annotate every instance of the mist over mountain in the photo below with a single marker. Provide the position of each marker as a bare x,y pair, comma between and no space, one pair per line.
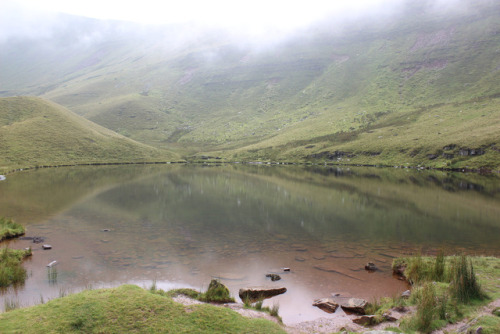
402,82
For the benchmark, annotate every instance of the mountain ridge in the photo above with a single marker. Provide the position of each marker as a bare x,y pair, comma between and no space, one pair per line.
368,89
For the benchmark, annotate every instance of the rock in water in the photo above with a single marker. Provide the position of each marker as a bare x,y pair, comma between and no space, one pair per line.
259,293
274,277
326,304
370,266
37,240
46,246
355,305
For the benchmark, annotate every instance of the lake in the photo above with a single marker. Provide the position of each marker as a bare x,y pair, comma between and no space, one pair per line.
180,225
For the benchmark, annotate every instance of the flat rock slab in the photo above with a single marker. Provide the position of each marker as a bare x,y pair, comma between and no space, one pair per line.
326,304
259,293
355,305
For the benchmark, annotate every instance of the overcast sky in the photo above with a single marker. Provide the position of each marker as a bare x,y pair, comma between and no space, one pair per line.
254,14
263,19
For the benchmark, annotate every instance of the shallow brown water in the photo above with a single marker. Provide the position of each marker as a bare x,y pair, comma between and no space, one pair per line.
182,225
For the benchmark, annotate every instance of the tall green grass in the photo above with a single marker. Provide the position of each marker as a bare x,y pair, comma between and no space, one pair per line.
442,288
464,284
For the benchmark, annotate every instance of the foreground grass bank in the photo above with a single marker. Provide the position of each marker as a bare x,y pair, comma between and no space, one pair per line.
126,309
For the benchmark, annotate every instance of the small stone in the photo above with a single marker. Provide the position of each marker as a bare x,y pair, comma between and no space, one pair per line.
46,246
336,294
286,269
479,330
406,294
355,305
53,263
393,315
496,312
364,320
326,304
370,266
105,230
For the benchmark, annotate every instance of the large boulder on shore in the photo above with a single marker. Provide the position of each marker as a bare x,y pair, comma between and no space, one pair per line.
259,293
354,305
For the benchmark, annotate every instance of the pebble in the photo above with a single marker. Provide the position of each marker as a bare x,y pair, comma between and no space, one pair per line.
46,246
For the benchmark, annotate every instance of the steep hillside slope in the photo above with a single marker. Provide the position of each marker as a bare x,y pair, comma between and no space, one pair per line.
419,85
35,132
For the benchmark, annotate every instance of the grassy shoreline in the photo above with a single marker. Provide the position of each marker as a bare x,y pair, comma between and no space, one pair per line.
479,170
446,290
131,308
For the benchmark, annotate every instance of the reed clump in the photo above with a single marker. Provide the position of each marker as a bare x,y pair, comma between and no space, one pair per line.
11,271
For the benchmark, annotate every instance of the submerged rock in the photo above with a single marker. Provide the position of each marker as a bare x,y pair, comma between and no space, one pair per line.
326,304
355,305
38,240
274,277
259,293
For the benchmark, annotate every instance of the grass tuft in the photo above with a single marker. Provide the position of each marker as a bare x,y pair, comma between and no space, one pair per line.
10,229
216,293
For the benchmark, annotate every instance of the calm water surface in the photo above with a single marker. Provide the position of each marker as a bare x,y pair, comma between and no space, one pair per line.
181,225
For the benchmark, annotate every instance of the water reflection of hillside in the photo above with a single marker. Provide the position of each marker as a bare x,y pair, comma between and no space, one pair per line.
348,204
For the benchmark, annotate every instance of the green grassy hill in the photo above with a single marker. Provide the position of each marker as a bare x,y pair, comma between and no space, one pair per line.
418,86
36,132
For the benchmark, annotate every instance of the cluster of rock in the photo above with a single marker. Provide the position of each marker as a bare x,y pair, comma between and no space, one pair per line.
351,305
